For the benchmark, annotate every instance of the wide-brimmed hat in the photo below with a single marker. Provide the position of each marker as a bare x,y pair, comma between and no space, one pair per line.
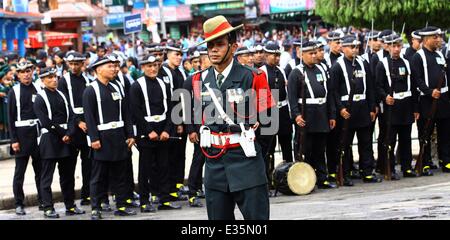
216,27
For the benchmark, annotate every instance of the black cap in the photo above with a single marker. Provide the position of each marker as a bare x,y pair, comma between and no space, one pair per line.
335,36
154,47
350,40
41,54
415,34
272,48
373,35
74,57
393,38
384,33
430,31
150,58
308,46
319,44
174,47
242,50
258,47
104,60
48,71
24,65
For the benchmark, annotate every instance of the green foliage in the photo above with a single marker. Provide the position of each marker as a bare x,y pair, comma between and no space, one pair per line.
359,13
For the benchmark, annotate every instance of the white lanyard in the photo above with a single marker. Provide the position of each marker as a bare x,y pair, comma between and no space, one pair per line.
47,104
344,71
388,74
17,95
143,84
99,101
425,68
69,88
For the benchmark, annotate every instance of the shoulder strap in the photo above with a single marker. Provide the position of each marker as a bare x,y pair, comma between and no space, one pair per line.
17,95
99,101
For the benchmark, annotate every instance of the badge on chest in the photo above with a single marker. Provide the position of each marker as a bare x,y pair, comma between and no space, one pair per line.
116,96
359,74
402,71
33,97
235,95
440,61
319,77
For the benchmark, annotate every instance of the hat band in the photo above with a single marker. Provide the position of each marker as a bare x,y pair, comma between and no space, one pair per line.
220,28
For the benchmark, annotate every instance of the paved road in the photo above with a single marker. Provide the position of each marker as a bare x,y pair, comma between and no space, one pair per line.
419,198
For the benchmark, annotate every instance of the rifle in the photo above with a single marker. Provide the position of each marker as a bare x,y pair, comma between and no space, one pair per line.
302,130
427,127
345,126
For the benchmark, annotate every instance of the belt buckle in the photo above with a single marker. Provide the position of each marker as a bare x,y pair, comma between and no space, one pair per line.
320,100
31,122
280,104
156,117
401,94
357,97
114,125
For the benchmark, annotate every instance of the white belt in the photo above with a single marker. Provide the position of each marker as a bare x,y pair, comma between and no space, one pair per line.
443,90
78,110
155,118
356,97
110,125
220,140
319,101
26,123
282,103
44,130
402,95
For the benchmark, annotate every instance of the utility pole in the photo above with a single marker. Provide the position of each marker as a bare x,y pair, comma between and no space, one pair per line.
161,17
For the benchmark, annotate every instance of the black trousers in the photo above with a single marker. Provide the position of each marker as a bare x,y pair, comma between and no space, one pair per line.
104,172
332,150
130,178
268,143
154,173
19,175
364,150
315,154
195,178
404,144
86,166
177,162
66,169
253,203
380,143
443,139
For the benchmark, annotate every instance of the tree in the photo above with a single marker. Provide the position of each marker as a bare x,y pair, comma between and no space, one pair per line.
359,13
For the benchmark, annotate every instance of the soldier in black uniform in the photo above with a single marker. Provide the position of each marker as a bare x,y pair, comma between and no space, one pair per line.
23,130
177,155
234,170
111,133
258,56
362,112
295,61
428,66
415,44
334,41
57,121
244,56
277,81
150,101
320,111
400,94
73,84
374,45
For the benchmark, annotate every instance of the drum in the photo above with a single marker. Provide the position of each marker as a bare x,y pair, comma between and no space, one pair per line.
292,178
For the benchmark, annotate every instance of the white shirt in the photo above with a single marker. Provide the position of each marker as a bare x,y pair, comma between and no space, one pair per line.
225,72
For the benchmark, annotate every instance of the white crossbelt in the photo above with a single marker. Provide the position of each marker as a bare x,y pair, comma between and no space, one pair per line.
44,130
318,101
282,103
26,123
110,125
356,97
220,140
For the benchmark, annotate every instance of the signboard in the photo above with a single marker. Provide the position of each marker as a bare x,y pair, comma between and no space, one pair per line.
281,6
132,24
171,13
